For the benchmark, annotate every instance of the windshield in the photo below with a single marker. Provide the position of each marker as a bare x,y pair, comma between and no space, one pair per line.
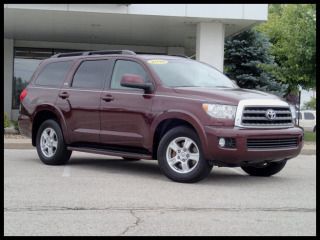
189,73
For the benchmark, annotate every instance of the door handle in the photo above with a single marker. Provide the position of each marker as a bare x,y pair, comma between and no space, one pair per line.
107,98
64,95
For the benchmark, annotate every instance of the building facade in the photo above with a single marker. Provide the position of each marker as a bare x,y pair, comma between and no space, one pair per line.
33,32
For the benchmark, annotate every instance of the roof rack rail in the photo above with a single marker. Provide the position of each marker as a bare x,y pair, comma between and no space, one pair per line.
128,52
99,52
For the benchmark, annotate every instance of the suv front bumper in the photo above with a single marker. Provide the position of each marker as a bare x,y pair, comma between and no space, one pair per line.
241,154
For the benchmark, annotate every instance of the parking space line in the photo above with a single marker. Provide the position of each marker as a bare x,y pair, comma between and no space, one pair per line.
66,171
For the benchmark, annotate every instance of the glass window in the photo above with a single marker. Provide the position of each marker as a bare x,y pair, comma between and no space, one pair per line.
189,73
91,74
26,60
299,115
126,67
23,71
53,74
308,116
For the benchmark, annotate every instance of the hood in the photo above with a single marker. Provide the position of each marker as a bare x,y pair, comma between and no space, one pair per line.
230,96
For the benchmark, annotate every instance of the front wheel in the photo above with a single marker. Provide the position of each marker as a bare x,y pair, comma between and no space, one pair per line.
265,169
180,156
51,147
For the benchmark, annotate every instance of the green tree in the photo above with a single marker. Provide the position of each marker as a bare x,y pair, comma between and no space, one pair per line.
245,54
291,29
311,104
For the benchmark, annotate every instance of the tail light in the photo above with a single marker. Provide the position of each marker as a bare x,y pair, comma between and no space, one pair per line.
23,94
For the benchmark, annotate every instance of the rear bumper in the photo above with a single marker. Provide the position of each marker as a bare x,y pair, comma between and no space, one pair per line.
25,125
241,154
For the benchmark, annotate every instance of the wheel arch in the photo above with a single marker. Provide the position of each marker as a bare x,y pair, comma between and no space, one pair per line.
43,113
169,120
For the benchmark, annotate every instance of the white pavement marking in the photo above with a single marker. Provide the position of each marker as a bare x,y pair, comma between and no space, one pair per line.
66,172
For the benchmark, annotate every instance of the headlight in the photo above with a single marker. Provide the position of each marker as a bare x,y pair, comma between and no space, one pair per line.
220,111
293,113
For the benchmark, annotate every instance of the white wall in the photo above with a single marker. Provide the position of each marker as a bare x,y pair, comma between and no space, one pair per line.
8,74
217,11
210,44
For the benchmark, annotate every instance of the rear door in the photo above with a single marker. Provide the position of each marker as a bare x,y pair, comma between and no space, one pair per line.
125,112
80,100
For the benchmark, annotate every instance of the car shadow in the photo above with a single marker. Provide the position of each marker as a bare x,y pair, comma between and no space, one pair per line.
150,169
146,168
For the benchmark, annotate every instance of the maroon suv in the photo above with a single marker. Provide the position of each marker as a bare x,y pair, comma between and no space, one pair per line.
186,114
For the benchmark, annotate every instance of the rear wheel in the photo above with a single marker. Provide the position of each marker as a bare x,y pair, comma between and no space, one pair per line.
51,147
265,169
180,156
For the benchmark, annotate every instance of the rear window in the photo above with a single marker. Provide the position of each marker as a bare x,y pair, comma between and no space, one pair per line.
53,74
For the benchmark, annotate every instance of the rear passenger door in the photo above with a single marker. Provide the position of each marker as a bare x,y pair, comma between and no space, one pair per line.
80,101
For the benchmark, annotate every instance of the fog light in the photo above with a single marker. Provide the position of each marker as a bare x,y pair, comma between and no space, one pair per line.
222,142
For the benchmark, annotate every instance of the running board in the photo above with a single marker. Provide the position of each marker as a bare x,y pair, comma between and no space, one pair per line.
111,152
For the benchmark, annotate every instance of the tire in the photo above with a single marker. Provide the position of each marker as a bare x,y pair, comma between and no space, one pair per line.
185,169
131,159
269,169
58,154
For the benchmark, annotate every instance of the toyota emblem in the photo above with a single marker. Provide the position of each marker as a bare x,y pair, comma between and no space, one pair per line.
271,114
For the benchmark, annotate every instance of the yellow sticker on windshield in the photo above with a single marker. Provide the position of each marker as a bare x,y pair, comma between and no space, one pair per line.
157,61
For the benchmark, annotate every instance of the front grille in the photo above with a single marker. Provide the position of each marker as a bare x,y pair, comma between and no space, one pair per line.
257,116
254,143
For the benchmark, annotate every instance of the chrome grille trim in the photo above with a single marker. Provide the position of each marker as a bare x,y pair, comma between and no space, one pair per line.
250,114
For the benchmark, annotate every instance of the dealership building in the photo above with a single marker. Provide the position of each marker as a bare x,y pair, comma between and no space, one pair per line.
33,32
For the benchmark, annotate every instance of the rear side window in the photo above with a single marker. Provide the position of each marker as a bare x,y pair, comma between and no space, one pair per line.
91,74
53,74
308,116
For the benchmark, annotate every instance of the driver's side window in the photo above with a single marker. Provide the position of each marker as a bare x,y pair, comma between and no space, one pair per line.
126,67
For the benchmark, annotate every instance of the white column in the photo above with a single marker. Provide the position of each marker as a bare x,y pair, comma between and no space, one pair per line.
210,44
175,51
8,74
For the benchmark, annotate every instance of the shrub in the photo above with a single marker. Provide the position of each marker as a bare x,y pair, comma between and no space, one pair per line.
15,124
6,121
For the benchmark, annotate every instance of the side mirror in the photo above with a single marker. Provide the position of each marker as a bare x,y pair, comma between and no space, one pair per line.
135,81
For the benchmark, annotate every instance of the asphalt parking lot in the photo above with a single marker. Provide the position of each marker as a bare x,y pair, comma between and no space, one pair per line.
104,195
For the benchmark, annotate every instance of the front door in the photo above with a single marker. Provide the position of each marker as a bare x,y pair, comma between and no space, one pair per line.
126,112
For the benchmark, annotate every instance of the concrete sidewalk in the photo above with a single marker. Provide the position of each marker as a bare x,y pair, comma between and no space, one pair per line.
309,148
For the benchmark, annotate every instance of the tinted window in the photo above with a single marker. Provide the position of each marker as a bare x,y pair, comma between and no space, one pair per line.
126,67
91,74
308,116
54,74
299,115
